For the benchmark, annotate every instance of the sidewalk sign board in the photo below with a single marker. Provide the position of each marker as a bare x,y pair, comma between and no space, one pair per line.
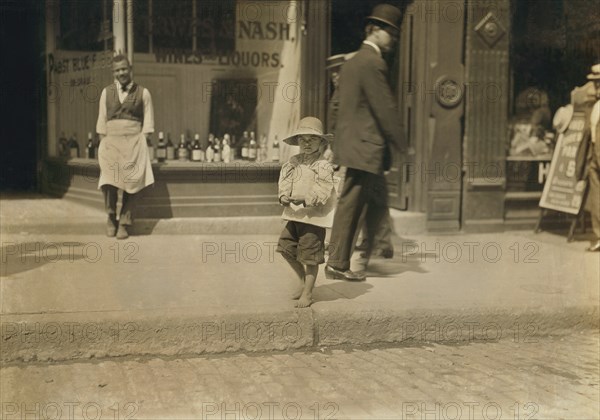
561,191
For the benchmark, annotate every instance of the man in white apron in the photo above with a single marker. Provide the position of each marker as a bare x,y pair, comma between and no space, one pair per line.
125,118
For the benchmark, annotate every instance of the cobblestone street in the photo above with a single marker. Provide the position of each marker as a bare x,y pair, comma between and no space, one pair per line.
542,378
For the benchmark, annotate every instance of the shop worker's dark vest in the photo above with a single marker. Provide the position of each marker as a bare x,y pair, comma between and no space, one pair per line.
132,107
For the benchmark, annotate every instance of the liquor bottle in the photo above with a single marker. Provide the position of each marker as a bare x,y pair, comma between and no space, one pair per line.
189,144
210,151
275,150
235,150
226,152
63,145
161,149
73,146
204,145
197,152
150,148
245,144
170,148
252,148
262,149
217,146
96,146
182,150
89,150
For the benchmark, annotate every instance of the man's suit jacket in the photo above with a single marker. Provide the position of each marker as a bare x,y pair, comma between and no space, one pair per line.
368,123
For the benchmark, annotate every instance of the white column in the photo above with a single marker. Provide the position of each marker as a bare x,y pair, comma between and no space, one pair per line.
130,31
119,26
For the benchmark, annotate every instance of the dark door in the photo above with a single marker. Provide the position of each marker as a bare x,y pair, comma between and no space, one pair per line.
431,90
21,96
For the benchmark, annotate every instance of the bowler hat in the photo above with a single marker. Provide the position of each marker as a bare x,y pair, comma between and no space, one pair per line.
308,126
562,118
388,14
595,74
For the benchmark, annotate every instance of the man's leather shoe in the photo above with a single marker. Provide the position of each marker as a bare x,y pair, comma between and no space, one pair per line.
595,247
111,227
349,275
362,246
122,232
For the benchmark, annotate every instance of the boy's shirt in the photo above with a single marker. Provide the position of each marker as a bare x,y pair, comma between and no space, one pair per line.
315,182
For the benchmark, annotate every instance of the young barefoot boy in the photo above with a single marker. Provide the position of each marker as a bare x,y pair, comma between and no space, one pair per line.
306,190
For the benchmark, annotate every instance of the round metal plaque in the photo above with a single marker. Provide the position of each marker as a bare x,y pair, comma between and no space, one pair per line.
448,92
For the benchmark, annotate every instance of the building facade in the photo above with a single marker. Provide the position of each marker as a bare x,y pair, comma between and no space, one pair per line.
466,74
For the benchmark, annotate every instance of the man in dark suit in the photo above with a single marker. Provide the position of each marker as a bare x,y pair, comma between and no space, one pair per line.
367,128
588,155
383,247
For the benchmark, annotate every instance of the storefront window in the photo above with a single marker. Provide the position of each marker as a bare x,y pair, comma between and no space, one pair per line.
212,67
201,26
554,43
172,24
81,25
215,22
552,49
141,27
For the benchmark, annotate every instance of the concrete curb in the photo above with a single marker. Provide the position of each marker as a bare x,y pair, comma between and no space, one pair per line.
336,327
72,336
405,223
178,226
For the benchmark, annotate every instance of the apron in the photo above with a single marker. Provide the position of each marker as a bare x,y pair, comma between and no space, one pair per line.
123,157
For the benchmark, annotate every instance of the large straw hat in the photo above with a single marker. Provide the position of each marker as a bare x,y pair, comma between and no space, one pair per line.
308,125
562,118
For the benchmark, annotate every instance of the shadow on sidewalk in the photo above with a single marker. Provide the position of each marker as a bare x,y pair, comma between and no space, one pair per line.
143,227
340,290
395,266
25,256
23,195
154,204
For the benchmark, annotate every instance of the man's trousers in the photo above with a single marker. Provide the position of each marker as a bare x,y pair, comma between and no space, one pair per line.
127,206
594,191
362,191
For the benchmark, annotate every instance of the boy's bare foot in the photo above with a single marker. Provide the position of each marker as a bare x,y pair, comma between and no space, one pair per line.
300,288
297,293
304,302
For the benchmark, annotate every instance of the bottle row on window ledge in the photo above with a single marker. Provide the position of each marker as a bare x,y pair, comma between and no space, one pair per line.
226,150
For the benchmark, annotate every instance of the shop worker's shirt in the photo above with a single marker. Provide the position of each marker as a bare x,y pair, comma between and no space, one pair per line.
147,125
595,120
